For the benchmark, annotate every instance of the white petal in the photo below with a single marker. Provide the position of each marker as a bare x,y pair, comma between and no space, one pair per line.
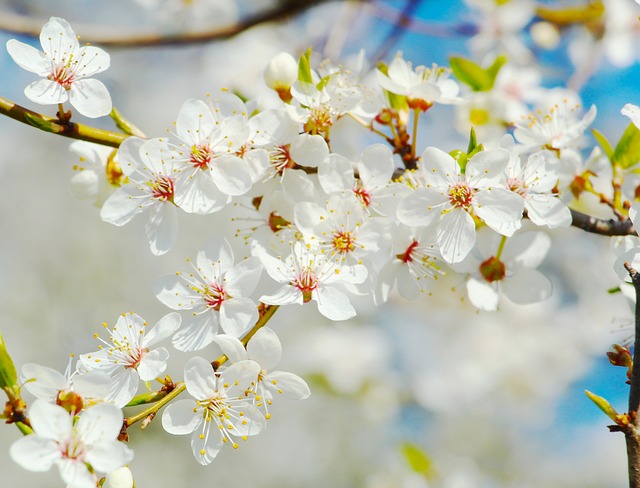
35,453
90,97
483,295
231,347
548,210
421,207
231,175
286,295
527,286
50,421
109,456
124,387
58,39
486,168
206,442
179,417
195,122
631,111
46,92
240,376
376,166
238,315
198,194
200,378
29,58
309,150
456,235
334,304
498,206
289,385
99,423
164,329
265,348
197,332
243,278
336,174
153,364
76,474
162,227
121,206
439,168
47,382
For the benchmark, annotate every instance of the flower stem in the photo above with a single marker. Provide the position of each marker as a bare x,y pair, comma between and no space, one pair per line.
503,241
414,142
53,125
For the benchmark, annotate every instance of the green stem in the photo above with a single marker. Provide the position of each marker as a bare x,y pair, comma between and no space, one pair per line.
414,142
503,241
50,124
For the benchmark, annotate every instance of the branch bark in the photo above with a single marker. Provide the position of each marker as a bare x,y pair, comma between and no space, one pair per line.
631,432
610,227
22,25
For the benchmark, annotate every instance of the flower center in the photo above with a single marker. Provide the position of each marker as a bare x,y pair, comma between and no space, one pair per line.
162,189
363,195
214,295
73,448
64,73
320,119
281,159
407,257
344,242
201,156
461,195
277,223
306,282
492,269
518,186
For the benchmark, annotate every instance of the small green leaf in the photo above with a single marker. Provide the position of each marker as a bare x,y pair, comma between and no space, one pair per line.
495,67
627,152
473,141
604,143
603,405
461,158
471,74
304,67
476,150
613,291
8,375
42,124
323,82
396,102
418,460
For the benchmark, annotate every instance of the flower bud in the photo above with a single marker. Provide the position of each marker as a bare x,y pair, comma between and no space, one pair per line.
545,35
280,73
120,478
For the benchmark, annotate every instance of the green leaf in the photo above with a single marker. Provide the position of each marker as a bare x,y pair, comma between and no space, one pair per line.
304,67
604,143
476,150
396,102
323,82
461,158
495,67
603,405
470,74
42,124
8,375
473,141
627,152
418,460
613,291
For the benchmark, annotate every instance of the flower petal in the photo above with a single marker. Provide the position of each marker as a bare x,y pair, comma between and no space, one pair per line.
265,348
91,98
180,419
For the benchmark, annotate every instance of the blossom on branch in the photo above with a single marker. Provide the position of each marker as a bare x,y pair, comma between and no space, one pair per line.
66,68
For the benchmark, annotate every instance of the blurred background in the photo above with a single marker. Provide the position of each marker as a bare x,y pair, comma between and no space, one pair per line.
483,399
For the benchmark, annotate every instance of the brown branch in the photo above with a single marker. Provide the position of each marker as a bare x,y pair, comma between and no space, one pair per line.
19,24
631,431
610,227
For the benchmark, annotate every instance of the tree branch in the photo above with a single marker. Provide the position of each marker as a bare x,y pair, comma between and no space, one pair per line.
603,227
55,126
631,432
19,24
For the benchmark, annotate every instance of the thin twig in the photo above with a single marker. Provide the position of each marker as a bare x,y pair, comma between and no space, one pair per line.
19,24
631,431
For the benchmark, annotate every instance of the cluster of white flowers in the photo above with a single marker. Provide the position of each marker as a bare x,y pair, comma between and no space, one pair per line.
326,227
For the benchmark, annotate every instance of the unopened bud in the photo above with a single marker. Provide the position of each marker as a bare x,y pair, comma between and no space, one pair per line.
120,478
280,73
545,35
620,356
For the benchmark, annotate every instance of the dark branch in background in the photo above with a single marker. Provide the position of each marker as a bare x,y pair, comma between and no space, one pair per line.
631,432
402,21
18,24
603,227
